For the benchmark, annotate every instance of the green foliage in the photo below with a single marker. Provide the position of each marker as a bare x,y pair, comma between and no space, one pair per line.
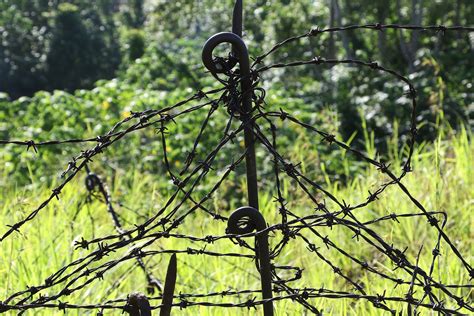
22,47
60,115
440,65
69,45
160,69
153,49
134,15
134,43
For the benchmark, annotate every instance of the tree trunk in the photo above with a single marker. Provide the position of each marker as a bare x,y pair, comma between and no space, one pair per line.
409,47
344,37
331,45
457,17
381,36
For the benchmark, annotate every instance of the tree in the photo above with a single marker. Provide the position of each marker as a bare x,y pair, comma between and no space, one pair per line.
79,53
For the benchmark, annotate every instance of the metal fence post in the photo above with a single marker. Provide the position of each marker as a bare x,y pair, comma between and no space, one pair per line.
254,217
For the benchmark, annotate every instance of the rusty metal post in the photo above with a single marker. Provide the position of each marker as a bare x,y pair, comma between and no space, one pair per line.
246,86
251,213
241,53
170,283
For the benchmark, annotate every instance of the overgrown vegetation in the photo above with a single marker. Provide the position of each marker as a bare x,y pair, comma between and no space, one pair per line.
153,45
443,180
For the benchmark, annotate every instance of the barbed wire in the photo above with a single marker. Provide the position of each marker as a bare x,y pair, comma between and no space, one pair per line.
133,244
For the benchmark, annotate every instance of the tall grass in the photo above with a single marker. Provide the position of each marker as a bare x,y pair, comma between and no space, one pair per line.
442,180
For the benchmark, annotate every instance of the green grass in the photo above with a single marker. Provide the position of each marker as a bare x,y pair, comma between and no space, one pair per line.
442,180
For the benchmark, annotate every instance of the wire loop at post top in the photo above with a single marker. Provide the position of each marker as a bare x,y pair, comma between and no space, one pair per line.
239,47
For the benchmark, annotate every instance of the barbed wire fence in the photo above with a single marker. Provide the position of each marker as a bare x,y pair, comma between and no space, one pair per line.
423,289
